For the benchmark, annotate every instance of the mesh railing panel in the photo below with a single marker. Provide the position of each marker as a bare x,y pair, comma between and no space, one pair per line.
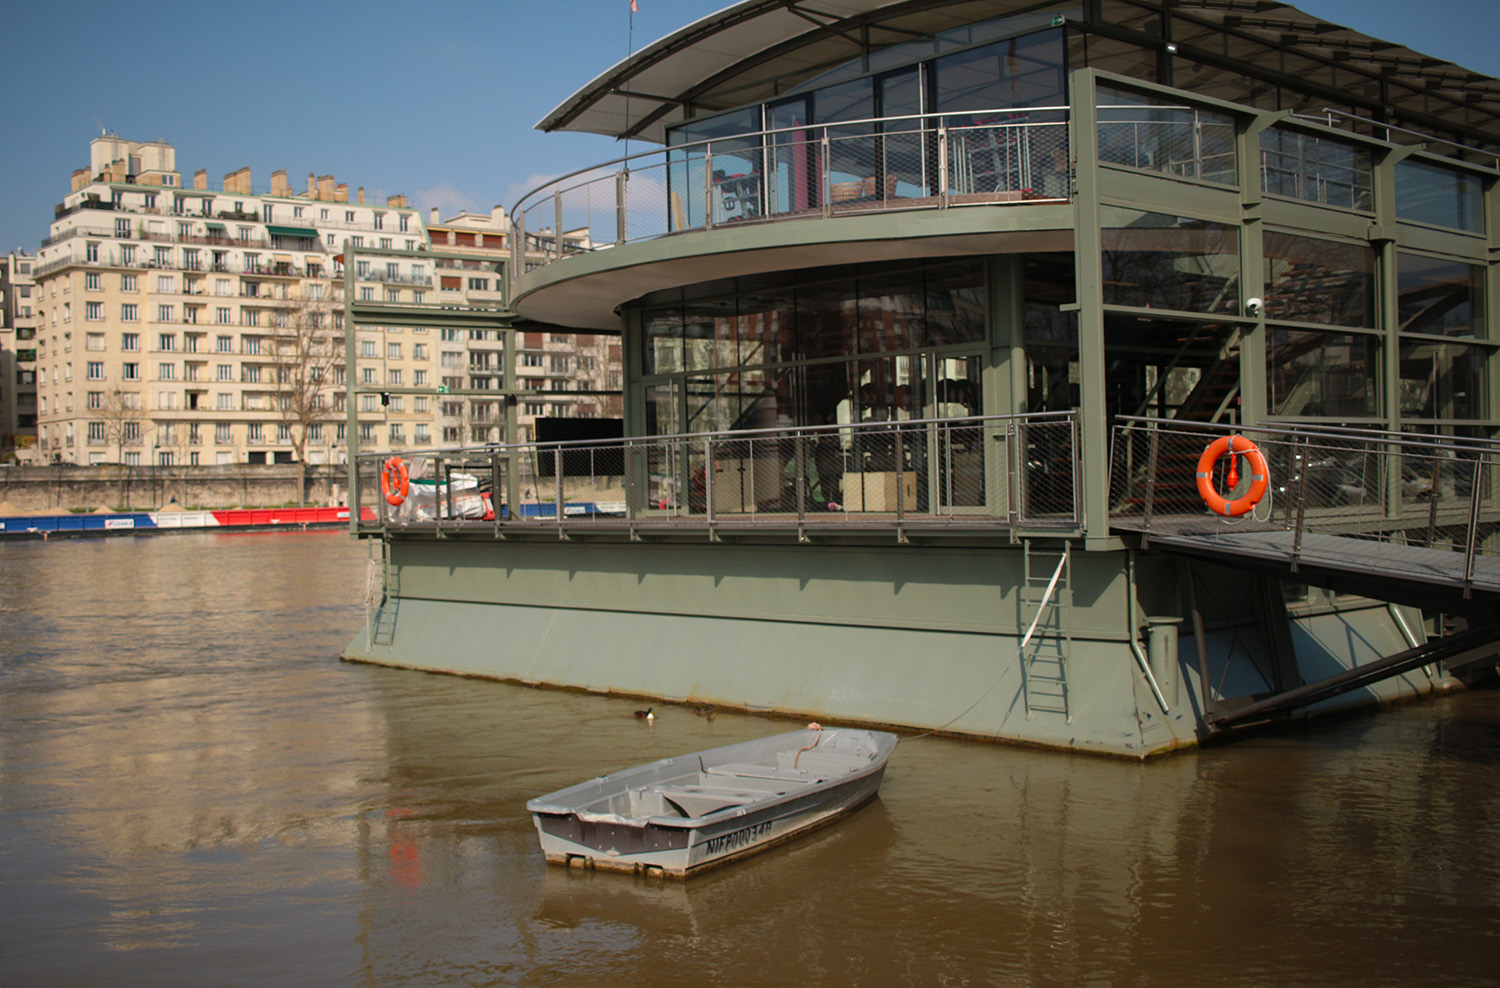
1390,491
904,162
970,471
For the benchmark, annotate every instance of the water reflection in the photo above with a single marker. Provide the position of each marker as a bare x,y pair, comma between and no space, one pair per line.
192,789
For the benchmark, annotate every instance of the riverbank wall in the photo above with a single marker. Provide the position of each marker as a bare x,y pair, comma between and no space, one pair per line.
69,488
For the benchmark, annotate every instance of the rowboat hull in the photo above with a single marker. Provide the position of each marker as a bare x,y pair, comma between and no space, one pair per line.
716,806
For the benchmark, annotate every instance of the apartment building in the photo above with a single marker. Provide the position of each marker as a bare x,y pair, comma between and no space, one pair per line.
18,399
178,323
560,371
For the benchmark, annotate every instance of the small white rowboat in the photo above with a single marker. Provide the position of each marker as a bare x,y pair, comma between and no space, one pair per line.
681,815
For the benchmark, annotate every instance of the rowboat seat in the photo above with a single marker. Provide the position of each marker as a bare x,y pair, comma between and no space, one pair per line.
696,801
748,770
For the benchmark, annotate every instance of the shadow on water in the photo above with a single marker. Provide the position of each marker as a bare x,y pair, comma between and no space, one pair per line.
191,782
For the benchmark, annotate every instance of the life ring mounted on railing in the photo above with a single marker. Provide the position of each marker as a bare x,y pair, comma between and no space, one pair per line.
395,481
1235,446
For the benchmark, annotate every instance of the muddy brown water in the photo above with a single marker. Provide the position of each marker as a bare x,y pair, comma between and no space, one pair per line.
195,791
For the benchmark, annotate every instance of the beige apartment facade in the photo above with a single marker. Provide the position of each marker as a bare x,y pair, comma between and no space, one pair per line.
558,373
18,398
179,324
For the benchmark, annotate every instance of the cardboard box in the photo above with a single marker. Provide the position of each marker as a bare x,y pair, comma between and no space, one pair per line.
876,491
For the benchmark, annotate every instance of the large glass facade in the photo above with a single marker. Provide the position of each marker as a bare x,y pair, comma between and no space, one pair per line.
1315,168
1319,281
1439,297
1141,130
1438,196
1154,260
876,342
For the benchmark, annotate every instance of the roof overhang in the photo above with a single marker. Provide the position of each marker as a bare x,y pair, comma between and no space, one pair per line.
755,49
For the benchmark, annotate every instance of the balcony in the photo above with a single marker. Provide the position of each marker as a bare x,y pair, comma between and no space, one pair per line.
922,161
970,474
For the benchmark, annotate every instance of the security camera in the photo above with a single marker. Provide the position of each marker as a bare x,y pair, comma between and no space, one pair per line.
1252,305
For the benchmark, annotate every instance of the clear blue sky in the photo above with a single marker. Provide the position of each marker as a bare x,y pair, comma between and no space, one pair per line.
435,99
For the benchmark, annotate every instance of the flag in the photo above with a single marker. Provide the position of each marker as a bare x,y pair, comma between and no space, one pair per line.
635,8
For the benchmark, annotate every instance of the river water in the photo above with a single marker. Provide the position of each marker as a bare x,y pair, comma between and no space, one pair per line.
195,791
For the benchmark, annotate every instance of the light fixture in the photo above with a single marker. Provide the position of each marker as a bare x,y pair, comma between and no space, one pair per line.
1171,48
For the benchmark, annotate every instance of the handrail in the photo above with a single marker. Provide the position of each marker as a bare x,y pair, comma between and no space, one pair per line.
1296,431
595,170
771,432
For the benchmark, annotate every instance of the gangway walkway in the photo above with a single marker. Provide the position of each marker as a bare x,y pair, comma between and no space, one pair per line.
1391,515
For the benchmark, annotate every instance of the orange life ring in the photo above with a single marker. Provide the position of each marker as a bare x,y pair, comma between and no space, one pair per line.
395,480
1235,446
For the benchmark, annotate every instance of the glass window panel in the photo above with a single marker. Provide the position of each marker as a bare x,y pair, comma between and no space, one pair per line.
1157,134
1024,71
826,321
1153,260
1319,281
1444,298
901,161
735,158
1441,380
662,341
661,409
1315,169
955,305
892,313
1427,193
766,328
1310,373
709,335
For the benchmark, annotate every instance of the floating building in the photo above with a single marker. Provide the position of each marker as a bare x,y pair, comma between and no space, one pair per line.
945,325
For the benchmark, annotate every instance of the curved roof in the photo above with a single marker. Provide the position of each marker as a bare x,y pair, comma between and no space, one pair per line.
754,49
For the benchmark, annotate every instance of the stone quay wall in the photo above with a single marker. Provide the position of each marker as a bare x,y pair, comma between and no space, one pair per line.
66,488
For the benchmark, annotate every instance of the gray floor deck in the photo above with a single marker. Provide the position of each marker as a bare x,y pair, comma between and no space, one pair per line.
1351,553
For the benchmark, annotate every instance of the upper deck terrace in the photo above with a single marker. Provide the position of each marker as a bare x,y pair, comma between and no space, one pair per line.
912,186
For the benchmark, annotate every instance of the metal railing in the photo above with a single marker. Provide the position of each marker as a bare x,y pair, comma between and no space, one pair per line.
991,472
920,161
1391,490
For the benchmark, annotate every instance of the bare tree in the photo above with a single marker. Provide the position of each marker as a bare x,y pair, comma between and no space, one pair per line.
306,347
122,414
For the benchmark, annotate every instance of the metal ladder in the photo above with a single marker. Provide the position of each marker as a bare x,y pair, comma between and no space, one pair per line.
382,591
1046,629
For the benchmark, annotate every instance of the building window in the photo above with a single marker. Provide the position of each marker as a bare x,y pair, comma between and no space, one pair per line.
164,259
221,316
250,374
166,341
393,376
128,313
165,313
91,281
130,372
479,284
93,341
166,372
130,341
96,432
223,433
127,282
419,379
224,401
253,431
93,311
224,372
91,253
393,351
96,370
380,221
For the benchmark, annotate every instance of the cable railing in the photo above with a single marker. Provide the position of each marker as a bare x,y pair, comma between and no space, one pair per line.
1390,490
994,472
918,161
